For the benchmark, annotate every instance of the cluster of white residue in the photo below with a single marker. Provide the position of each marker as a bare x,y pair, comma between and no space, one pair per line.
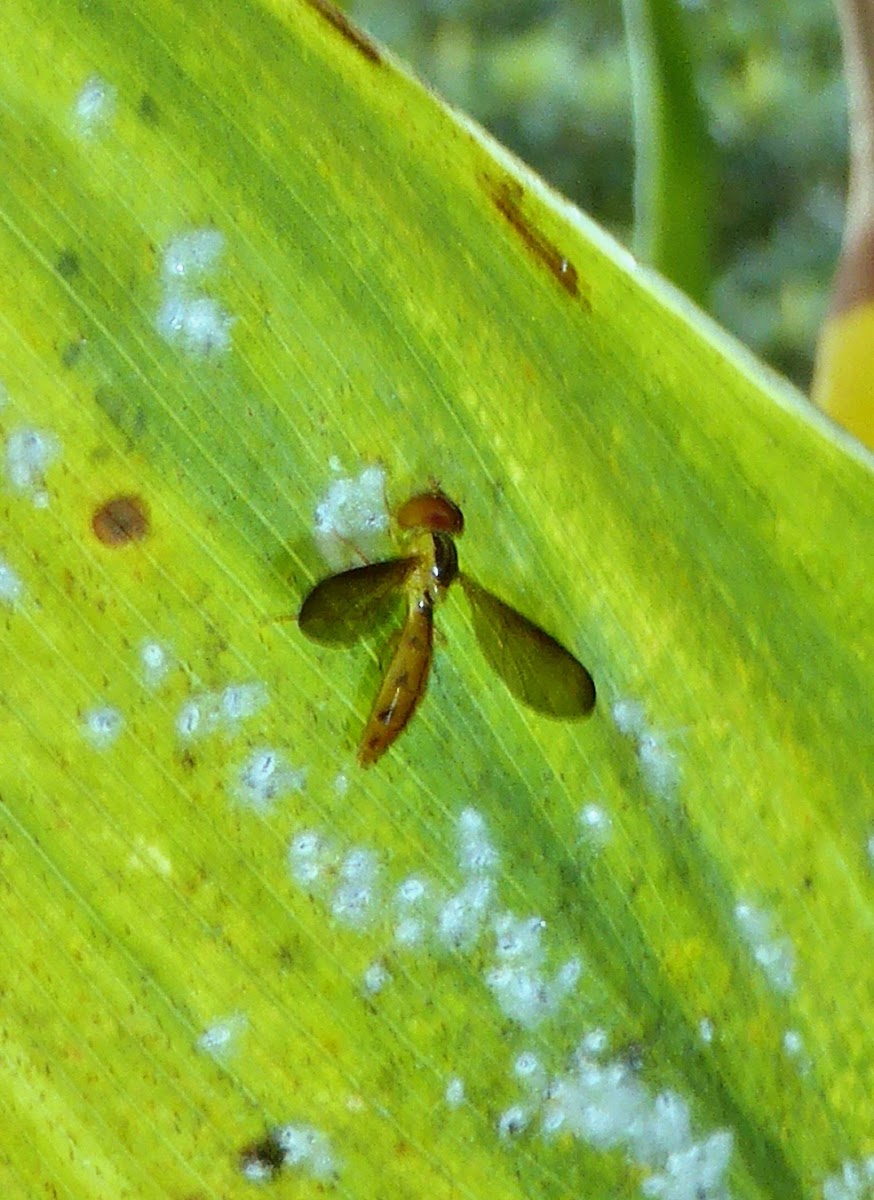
188,316
600,1101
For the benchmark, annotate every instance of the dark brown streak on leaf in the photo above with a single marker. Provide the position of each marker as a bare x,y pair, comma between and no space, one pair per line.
506,195
349,31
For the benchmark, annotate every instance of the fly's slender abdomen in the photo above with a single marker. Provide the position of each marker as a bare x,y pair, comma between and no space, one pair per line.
404,682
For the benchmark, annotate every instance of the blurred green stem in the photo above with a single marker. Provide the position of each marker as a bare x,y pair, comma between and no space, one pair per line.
854,279
673,187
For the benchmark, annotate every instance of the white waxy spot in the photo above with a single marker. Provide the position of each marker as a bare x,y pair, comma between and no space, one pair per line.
512,1122
524,993
523,996
518,940
155,663
188,317
567,977
792,1042
341,784
257,1171
794,1049
669,1130
659,764
375,978
94,106
242,700
852,1182
629,718
696,1171
410,892
264,777
527,1064
552,1121
595,826
191,255
775,955
29,454
189,719
411,896
102,726
355,898
11,587
352,519
594,1043
607,1106
306,1149
530,1072
310,857
409,932
209,712
476,854
198,325
705,1030
220,1037
598,1103
461,917
454,1092
870,848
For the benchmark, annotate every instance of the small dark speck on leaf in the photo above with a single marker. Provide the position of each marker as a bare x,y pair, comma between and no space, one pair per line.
148,109
71,352
263,1158
345,27
124,411
68,265
120,520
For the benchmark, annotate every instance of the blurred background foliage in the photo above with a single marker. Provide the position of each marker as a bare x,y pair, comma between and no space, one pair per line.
551,80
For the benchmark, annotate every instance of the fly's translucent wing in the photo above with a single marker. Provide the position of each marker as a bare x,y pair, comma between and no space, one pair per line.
345,607
533,665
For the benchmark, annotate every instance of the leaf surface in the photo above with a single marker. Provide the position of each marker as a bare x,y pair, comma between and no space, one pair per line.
253,278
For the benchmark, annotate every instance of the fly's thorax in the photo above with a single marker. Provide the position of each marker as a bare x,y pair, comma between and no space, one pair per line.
444,564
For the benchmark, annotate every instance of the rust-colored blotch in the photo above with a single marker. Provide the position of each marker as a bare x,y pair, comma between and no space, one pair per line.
432,511
120,520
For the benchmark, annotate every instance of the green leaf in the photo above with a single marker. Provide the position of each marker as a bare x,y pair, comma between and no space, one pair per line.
255,277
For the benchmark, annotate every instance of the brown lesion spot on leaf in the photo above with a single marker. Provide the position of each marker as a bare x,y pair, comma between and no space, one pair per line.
121,520
507,196
347,30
